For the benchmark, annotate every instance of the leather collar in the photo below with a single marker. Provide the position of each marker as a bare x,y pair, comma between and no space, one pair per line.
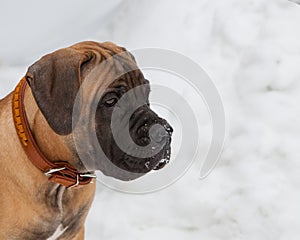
58,172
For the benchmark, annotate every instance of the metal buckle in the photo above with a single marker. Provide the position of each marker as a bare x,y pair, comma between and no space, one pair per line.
88,175
84,175
77,182
53,170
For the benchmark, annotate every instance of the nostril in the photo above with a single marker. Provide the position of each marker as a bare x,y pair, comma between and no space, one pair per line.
158,133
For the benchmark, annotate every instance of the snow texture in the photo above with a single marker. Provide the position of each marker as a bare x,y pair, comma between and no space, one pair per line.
295,1
251,50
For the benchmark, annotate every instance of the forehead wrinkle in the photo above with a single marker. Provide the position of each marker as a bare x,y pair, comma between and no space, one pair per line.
118,68
119,83
112,47
96,82
137,75
126,70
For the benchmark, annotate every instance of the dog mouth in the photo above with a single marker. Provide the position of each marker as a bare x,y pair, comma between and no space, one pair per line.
145,165
158,160
161,163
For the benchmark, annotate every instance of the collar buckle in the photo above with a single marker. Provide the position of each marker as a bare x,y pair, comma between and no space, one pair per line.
82,175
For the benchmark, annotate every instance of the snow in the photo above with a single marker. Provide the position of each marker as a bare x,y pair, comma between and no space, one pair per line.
251,50
295,1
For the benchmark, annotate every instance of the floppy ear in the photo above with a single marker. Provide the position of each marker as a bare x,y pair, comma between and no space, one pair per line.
55,80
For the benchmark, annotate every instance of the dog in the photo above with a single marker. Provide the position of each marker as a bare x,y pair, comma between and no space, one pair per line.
46,187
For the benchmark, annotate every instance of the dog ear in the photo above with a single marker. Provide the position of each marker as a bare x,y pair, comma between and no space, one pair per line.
55,80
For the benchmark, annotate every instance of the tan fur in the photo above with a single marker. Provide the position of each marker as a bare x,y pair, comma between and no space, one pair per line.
31,207
22,184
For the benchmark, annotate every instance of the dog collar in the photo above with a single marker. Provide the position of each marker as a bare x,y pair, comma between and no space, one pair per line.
58,172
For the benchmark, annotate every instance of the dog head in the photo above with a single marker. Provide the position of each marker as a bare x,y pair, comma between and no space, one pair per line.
57,79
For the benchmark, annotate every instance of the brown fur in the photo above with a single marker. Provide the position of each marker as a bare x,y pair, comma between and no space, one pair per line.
30,205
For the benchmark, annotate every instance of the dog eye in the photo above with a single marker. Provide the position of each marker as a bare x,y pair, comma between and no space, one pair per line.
111,102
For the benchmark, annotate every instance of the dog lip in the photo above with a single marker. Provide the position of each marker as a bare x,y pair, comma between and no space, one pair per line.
146,166
162,161
161,164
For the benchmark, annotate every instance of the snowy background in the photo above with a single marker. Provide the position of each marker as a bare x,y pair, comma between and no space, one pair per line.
251,50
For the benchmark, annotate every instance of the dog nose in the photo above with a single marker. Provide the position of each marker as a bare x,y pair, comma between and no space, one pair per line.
159,133
168,128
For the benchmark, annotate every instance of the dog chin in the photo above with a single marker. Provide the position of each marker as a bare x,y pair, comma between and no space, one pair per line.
134,170
145,165
123,175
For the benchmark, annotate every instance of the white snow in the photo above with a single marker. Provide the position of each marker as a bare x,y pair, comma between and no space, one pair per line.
295,1
251,50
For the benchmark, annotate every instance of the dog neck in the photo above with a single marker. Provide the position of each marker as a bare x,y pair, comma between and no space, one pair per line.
51,145
13,162
39,206
61,172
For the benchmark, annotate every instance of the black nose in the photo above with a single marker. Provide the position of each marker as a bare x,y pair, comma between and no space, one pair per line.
160,132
